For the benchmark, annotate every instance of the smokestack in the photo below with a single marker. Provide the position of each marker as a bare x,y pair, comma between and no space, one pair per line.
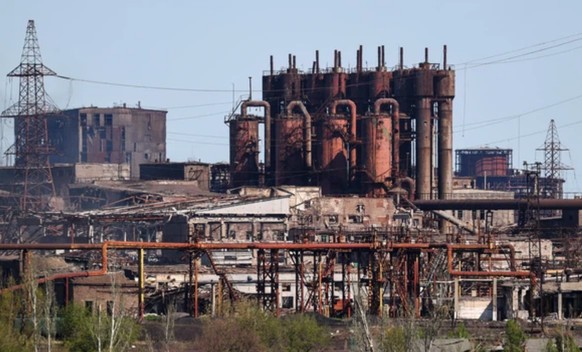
317,60
444,57
361,57
401,58
290,61
339,58
272,66
383,57
426,55
379,57
335,59
294,62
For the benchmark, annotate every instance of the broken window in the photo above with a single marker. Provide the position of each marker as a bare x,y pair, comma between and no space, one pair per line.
89,306
332,219
109,308
287,302
355,219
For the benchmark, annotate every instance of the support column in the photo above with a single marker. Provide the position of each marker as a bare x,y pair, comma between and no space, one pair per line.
445,149
494,301
560,311
195,285
423,149
456,298
141,282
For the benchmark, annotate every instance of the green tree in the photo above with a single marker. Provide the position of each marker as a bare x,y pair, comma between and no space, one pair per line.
85,332
73,328
395,339
11,338
514,337
460,332
303,334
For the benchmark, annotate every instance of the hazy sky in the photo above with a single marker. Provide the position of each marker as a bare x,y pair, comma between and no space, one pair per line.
506,102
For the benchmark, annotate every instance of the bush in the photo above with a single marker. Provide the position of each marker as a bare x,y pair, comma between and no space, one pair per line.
248,328
514,337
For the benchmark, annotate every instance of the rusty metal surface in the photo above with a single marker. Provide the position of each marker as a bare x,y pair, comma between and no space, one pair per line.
496,204
415,89
289,159
244,149
333,158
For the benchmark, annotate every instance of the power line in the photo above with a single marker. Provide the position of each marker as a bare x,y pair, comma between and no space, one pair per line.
218,113
520,49
531,133
198,135
140,86
480,124
186,106
195,142
505,60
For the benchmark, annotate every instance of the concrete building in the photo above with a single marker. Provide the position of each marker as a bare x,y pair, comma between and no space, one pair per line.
108,135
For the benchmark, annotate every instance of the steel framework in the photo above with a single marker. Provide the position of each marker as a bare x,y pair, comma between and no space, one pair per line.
394,267
31,146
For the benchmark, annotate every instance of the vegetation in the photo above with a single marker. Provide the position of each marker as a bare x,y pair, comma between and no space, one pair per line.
562,342
86,332
248,328
514,337
460,332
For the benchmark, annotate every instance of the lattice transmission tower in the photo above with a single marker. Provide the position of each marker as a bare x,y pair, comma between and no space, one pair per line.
31,148
553,166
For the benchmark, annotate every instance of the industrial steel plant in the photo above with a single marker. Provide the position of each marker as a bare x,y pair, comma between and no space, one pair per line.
342,193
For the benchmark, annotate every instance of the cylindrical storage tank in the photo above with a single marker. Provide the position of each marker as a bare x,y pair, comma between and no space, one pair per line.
291,85
377,138
335,84
380,84
444,84
491,166
333,155
244,151
423,82
289,156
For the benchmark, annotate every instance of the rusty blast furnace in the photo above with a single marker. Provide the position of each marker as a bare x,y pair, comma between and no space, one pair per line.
351,131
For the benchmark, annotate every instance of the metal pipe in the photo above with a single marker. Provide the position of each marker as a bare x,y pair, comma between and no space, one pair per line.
333,111
411,185
307,134
445,149
497,204
423,149
379,57
444,57
383,58
395,130
66,276
361,58
267,107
